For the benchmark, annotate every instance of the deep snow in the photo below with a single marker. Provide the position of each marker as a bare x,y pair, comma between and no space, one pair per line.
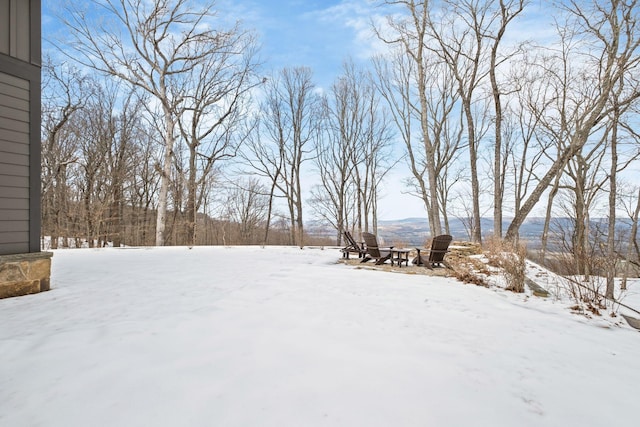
250,336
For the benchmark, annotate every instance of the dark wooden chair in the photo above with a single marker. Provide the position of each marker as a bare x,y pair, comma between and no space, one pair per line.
352,246
439,248
373,251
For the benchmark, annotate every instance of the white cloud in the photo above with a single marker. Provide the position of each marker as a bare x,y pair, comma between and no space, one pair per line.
358,17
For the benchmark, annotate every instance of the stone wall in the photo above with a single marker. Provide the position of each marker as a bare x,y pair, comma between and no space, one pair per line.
24,274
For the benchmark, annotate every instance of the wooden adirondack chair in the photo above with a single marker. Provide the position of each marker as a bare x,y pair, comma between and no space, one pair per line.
439,248
352,246
381,255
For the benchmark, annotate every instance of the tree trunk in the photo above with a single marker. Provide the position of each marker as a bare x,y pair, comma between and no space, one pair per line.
165,175
498,187
613,193
431,202
91,237
632,240
269,210
547,219
579,229
579,139
190,208
476,228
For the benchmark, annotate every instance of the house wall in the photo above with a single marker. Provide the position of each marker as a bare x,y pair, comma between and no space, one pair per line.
15,28
14,164
20,61
20,64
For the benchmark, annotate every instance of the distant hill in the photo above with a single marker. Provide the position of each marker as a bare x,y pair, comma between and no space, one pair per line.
415,231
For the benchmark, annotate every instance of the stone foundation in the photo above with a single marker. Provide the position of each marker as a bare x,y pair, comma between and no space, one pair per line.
24,274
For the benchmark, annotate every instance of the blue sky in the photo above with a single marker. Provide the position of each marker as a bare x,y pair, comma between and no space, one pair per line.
319,34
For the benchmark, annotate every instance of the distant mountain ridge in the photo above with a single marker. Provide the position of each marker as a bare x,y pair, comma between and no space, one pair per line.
415,231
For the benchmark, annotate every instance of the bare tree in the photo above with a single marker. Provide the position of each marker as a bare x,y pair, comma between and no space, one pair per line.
265,159
620,134
120,165
215,101
290,117
140,193
507,11
96,130
610,39
452,49
584,180
460,40
247,207
64,92
630,201
335,196
98,177
410,67
152,46
352,156
525,144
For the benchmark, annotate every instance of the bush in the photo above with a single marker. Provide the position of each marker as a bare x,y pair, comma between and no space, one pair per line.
468,270
510,258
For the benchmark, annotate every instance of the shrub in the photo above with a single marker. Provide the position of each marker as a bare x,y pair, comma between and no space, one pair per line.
468,270
511,258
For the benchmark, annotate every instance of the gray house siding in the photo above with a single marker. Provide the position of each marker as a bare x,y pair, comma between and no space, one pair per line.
19,126
15,40
14,164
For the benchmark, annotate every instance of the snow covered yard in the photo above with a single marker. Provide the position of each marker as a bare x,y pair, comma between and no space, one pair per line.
249,336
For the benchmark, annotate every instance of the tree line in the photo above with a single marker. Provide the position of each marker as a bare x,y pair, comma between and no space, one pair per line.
171,124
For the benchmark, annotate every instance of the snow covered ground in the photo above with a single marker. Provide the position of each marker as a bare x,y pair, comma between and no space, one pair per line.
250,336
